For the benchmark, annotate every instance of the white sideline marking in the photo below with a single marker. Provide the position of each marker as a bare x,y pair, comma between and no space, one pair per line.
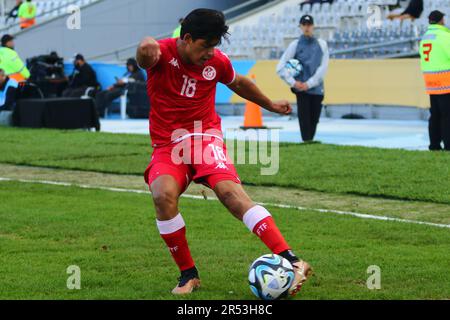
277,205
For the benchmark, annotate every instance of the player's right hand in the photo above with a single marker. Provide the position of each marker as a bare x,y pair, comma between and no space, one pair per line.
150,50
282,107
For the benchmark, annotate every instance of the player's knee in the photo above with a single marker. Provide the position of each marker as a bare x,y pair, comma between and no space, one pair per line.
164,199
235,202
228,197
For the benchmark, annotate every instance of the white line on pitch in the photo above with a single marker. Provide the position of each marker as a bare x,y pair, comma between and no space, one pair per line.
277,205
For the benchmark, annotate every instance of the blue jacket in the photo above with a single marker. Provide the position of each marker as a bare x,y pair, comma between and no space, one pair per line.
8,94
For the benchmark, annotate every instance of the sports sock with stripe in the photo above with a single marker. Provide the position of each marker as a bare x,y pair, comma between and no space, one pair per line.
259,221
173,233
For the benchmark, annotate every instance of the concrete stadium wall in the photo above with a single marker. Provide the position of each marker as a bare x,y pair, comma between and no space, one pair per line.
110,24
351,82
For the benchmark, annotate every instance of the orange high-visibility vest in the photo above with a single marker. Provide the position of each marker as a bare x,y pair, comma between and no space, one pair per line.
27,15
18,77
26,23
435,59
13,66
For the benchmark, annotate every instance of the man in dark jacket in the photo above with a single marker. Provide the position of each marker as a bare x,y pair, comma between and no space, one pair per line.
413,11
13,14
83,77
105,98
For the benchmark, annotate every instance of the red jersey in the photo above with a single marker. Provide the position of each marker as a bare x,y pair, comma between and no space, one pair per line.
183,94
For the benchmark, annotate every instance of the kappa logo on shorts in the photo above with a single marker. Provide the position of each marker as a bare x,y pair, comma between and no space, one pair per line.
221,165
209,73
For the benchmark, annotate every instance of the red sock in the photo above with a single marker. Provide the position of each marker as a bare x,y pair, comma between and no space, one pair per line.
174,234
261,223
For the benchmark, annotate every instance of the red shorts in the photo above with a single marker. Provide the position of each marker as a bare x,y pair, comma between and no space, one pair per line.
202,159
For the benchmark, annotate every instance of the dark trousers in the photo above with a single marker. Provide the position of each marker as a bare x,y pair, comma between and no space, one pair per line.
439,123
104,99
74,92
309,110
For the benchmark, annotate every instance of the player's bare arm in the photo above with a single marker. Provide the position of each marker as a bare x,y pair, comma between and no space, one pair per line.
246,88
148,53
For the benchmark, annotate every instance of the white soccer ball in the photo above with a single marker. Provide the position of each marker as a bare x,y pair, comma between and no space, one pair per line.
293,68
270,277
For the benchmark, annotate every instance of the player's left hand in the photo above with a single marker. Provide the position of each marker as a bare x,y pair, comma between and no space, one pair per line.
282,107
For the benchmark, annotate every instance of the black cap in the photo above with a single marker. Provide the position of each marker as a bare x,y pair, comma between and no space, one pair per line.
132,62
6,38
79,56
306,19
435,16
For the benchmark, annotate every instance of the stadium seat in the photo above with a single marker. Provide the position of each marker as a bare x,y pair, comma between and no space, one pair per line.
345,19
47,9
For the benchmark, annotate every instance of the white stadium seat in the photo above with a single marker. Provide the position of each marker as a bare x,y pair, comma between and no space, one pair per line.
343,23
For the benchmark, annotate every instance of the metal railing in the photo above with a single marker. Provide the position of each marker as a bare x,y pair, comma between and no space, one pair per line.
124,52
116,54
413,41
244,7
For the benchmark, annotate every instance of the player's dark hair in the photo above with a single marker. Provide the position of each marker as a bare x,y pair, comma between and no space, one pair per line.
132,62
206,24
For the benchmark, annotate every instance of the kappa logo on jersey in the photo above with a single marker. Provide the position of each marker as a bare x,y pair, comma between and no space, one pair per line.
174,62
221,165
209,73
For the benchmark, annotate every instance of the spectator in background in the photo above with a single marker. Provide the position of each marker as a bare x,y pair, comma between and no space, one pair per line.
435,62
14,13
10,61
413,11
8,89
105,98
177,31
313,55
27,14
81,79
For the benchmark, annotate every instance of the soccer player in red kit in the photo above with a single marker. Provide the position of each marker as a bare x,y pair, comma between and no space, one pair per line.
188,141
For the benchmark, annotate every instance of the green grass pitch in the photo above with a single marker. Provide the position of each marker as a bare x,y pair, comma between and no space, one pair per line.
112,236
